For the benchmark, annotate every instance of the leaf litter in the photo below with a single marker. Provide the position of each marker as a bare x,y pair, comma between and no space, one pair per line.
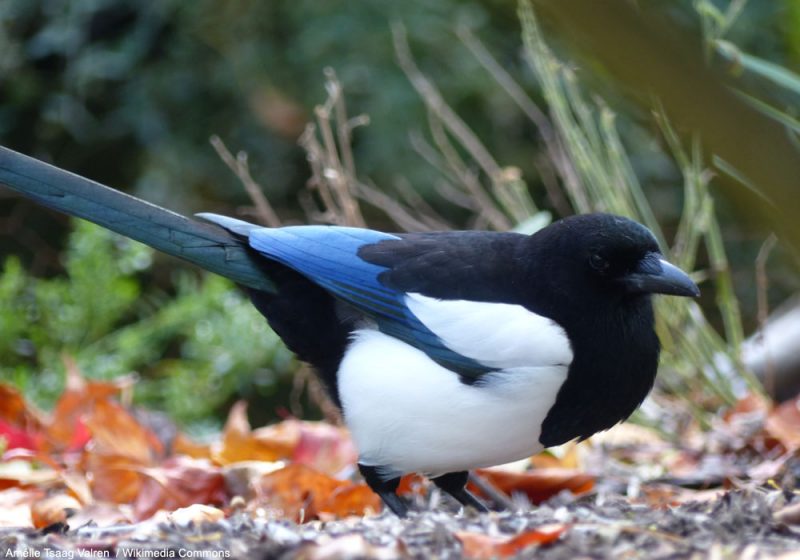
93,478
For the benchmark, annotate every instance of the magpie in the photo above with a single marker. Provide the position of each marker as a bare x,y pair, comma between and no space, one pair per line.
445,351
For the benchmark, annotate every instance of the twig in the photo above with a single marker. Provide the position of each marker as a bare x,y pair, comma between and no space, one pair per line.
240,168
762,288
441,112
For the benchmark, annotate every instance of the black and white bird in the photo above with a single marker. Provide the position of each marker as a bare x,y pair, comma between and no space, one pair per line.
445,351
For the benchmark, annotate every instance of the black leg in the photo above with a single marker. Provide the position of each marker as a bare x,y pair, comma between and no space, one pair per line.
386,489
455,484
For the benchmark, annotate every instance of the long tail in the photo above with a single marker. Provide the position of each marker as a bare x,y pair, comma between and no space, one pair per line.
205,245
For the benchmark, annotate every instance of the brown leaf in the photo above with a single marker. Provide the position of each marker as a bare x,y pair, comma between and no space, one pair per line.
20,425
119,451
66,429
116,433
479,546
53,509
783,424
541,484
113,478
179,482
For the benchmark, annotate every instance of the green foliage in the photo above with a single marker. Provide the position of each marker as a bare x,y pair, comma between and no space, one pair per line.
698,360
195,351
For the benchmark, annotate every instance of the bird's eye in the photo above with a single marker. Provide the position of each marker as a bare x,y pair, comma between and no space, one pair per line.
598,262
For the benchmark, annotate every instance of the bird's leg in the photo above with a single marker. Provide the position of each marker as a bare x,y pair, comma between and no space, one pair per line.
455,484
386,489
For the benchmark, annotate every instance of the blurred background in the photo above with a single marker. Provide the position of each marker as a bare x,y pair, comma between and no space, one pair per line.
475,114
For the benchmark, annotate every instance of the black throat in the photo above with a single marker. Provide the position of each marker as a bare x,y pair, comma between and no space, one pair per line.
615,359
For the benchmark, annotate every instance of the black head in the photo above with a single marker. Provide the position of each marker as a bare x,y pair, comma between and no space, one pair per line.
597,273
607,256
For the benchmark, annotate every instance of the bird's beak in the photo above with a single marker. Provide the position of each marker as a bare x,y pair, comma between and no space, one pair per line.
654,275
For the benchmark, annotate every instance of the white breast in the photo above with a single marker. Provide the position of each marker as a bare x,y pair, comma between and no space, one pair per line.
409,414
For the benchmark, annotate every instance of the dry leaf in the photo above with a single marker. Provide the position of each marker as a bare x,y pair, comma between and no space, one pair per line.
183,445
53,509
324,447
241,443
346,547
15,506
179,482
22,473
197,514
479,546
303,493
783,423
116,433
539,485
353,499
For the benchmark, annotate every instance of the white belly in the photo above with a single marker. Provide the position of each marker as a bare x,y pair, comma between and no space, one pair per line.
409,414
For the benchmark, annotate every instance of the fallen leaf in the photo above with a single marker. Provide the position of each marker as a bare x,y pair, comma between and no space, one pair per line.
790,515
348,546
182,445
242,477
23,473
179,482
353,499
241,443
65,429
20,424
783,423
112,478
479,546
116,433
540,484
15,506
196,513
53,509
303,493
324,447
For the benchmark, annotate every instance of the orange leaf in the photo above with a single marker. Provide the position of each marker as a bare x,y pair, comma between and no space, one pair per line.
65,430
412,484
353,499
479,546
241,443
303,493
53,509
113,478
115,432
540,484
783,423
182,445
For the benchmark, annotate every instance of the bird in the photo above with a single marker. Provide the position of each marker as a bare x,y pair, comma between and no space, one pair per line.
444,351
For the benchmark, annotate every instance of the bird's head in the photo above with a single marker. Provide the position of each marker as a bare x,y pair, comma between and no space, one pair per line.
610,256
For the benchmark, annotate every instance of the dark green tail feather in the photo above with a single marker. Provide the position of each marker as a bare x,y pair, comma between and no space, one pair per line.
208,246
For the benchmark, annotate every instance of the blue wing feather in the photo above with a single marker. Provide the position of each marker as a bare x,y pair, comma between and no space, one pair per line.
328,255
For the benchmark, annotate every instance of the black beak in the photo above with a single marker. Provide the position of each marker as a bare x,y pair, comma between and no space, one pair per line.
654,275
